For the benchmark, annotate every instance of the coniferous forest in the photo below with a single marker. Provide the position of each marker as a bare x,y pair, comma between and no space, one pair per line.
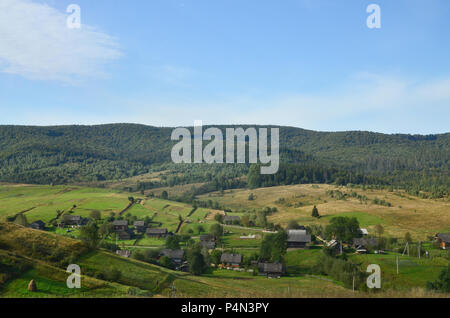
71,154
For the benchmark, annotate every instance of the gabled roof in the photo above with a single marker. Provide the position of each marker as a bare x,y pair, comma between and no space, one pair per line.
231,258
232,218
363,231
444,237
298,236
271,267
120,223
206,237
156,231
209,244
365,241
139,223
332,243
174,254
72,217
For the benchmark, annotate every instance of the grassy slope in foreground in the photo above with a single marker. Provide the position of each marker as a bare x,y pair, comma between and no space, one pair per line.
142,279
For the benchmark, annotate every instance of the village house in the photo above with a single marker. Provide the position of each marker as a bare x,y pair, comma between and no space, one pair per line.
151,232
120,225
139,226
231,260
38,225
444,240
72,220
363,244
177,256
208,241
124,235
298,238
123,253
231,219
271,270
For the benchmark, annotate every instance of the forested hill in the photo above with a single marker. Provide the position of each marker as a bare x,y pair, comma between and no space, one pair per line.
61,154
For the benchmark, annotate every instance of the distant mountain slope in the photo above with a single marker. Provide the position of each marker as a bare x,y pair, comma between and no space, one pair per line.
62,154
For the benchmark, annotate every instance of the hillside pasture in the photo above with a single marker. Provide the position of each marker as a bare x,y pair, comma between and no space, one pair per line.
421,217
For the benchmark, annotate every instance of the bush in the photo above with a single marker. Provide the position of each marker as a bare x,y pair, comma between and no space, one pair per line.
167,262
442,284
112,274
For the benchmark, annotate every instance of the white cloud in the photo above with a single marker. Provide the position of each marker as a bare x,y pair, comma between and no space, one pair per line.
36,43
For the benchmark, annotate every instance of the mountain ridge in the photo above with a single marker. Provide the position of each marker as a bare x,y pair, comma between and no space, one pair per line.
71,153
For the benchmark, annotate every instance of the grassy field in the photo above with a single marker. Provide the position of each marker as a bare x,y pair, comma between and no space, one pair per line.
420,217
413,272
139,279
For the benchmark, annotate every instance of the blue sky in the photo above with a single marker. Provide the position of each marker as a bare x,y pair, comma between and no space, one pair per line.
306,63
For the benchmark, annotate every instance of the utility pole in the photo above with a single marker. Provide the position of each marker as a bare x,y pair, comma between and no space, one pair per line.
397,263
353,282
406,248
418,247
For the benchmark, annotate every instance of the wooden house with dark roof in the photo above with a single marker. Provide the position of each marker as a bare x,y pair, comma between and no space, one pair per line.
444,240
120,225
139,226
72,220
271,270
177,256
154,232
233,260
364,243
298,238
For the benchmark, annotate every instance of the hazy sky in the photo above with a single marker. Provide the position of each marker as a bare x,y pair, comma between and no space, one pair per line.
306,63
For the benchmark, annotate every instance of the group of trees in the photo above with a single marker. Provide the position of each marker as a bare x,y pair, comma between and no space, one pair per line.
273,247
67,154
343,229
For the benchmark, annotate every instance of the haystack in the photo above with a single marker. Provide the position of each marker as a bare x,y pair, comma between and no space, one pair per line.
32,286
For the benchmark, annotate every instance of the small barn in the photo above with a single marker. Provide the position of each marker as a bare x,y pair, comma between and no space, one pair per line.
298,238
271,270
153,232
